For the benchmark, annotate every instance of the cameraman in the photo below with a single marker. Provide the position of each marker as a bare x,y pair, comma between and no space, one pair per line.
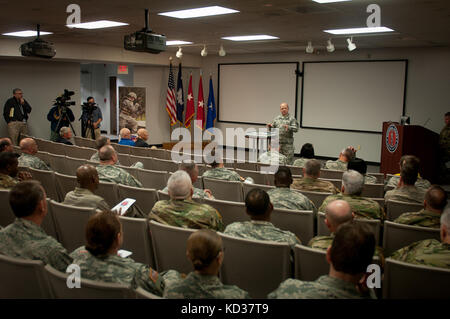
91,118
54,116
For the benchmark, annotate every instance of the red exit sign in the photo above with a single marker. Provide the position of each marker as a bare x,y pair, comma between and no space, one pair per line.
122,69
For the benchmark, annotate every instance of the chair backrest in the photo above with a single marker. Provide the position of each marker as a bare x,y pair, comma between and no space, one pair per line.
164,165
316,197
6,215
224,190
145,197
380,201
159,153
45,156
395,208
153,179
124,159
89,289
230,211
396,236
266,263
71,223
408,281
331,174
72,164
122,149
163,196
109,193
55,148
65,184
58,163
137,239
169,247
139,151
295,170
373,190
132,170
48,181
146,161
248,187
310,263
24,279
144,294
258,177
249,166
301,223
379,176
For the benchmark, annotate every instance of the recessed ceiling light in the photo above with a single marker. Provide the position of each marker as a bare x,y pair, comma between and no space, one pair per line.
329,1
177,42
25,34
198,12
96,24
359,30
251,37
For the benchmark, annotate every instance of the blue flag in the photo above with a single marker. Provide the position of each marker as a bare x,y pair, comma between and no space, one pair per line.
211,116
180,96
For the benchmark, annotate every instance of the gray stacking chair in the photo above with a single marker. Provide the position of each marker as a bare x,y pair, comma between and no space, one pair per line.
82,152
258,177
316,197
153,179
65,184
310,263
299,222
331,174
373,190
230,211
139,151
159,153
249,166
89,289
395,208
23,279
170,254
164,165
72,164
124,159
146,161
224,190
379,176
6,214
408,281
122,149
145,197
109,193
48,181
248,187
267,264
58,163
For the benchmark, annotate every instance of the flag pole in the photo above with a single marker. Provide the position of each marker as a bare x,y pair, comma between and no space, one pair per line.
170,124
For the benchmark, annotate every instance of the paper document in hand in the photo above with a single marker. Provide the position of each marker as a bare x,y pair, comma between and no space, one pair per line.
123,206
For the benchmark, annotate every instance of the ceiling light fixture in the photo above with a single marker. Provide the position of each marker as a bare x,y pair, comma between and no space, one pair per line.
222,51
179,54
97,24
359,30
177,42
251,37
330,46
26,34
204,52
351,46
309,48
198,12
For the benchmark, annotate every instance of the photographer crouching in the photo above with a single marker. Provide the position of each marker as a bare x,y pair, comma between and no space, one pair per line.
60,114
90,119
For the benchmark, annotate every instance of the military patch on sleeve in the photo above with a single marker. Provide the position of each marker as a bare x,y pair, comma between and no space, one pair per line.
153,275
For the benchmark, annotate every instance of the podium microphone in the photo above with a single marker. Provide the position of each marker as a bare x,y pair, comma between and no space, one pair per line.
426,122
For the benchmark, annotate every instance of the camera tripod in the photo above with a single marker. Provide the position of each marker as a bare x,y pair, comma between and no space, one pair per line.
63,113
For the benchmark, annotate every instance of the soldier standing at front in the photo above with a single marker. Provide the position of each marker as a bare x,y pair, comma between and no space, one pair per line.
287,126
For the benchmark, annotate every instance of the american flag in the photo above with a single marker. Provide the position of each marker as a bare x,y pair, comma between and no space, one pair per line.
170,100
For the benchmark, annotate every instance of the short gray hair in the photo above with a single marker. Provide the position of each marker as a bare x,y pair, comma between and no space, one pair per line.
312,167
64,130
353,182
445,218
179,185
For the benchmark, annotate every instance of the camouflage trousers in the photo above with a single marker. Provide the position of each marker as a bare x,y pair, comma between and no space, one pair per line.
288,151
128,122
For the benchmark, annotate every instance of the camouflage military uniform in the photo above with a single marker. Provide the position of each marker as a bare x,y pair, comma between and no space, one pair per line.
196,286
421,183
25,239
83,197
7,182
261,230
370,179
286,198
361,206
128,112
222,173
336,165
186,214
423,218
32,161
300,162
314,185
273,158
410,194
325,287
428,252
114,174
286,138
198,193
115,269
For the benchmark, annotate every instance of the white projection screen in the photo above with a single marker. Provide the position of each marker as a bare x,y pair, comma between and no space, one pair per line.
251,93
353,95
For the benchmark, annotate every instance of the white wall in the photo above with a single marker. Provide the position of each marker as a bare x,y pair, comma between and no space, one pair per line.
41,81
427,94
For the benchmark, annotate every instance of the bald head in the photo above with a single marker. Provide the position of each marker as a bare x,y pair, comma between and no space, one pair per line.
435,199
337,212
284,108
28,146
125,133
87,177
107,154
142,134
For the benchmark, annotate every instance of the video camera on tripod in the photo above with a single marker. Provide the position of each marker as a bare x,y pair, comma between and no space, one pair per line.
63,102
86,118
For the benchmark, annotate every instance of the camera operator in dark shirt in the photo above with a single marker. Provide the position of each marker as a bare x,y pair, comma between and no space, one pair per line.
60,114
91,119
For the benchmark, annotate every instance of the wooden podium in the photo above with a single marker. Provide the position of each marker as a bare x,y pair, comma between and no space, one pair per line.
398,140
